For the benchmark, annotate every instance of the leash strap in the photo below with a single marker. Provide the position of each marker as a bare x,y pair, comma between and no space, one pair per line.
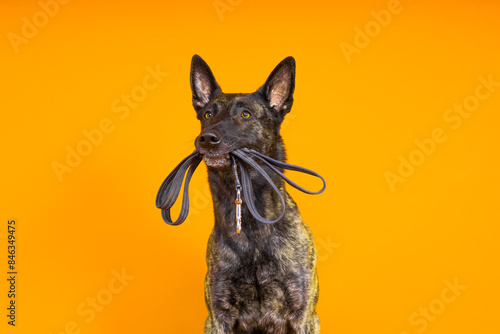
272,163
170,188
247,187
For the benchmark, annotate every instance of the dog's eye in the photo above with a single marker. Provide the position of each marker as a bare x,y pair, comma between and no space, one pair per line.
208,114
245,114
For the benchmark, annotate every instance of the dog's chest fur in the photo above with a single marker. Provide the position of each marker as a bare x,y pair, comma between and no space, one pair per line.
264,275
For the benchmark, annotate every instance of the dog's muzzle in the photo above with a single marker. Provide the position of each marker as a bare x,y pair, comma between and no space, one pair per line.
209,145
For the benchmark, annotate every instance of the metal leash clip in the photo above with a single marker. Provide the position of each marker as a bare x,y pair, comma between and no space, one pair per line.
238,202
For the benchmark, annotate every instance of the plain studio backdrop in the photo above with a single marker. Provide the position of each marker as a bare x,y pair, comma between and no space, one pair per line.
396,105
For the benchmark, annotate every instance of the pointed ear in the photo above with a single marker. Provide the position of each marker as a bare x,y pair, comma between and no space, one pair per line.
279,87
203,84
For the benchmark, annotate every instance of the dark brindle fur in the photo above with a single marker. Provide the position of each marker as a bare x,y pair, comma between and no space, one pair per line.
263,280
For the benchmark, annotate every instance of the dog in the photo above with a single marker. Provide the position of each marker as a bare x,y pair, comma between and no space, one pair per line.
263,280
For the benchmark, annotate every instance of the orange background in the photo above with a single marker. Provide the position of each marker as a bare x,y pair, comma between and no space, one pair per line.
384,254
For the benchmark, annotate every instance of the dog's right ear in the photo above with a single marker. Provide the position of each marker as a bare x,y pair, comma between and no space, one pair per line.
203,84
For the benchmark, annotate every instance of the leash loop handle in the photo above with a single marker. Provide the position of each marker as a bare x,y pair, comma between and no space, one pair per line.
170,189
271,163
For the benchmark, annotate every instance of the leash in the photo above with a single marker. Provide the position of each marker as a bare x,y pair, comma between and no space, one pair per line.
170,188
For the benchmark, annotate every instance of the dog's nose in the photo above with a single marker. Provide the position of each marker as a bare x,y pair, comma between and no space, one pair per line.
209,138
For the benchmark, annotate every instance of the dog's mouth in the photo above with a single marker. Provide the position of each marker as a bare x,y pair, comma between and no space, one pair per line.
217,160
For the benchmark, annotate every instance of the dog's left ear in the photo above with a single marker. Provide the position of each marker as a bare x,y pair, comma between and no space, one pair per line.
279,87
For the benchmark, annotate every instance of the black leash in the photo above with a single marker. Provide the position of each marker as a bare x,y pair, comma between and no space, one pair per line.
170,188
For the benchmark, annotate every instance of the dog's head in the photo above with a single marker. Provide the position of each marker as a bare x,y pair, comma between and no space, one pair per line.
233,121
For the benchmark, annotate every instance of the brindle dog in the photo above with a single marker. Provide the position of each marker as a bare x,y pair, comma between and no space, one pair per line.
263,280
